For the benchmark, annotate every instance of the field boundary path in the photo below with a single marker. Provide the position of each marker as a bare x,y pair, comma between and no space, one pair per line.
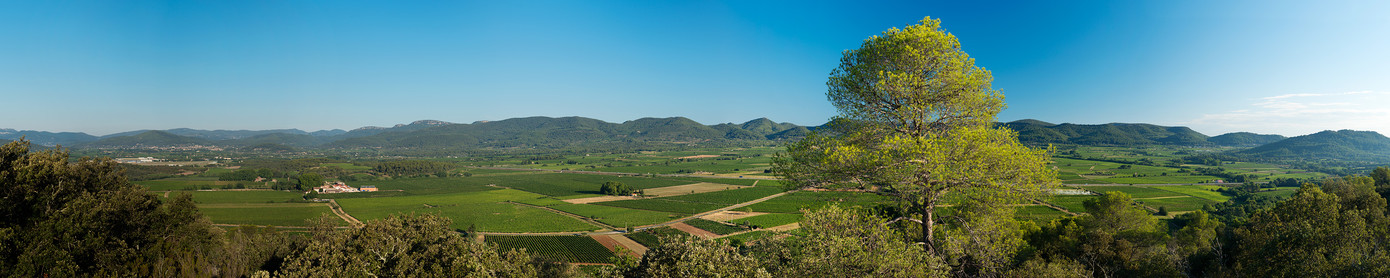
612,242
338,209
571,215
694,231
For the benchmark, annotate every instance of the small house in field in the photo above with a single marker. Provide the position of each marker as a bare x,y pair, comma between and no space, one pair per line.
368,188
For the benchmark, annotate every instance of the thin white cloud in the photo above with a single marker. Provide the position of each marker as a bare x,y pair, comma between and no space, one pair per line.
1299,114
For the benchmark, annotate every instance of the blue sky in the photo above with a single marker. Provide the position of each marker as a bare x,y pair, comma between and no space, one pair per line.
101,67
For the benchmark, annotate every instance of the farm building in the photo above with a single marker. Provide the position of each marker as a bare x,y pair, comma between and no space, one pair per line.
368,188
336,187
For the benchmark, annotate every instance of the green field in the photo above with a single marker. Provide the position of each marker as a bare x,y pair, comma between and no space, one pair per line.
575,249
1177,204
727,197
486,209
769,220
1039,213
571,184
657,204
744,182
651,237
1071,203
1200,191
748,237
618,217
714,227
250,196
277,215
697,203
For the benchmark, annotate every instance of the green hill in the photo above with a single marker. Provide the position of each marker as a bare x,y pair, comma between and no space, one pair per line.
1341,145
45,138
790,134
1119,134
1245,139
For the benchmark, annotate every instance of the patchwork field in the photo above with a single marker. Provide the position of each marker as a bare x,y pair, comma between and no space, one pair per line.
795,202
689,189
485,209
696,203
714,227
1200,191
619,217
249,196
268,214
769,220
578,249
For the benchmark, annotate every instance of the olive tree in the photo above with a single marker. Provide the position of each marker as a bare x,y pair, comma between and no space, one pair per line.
916,122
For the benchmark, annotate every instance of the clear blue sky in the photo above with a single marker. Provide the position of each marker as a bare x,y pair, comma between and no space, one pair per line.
108,66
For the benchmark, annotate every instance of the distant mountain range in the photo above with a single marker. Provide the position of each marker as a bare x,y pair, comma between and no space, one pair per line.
1120,134
518,132
540,132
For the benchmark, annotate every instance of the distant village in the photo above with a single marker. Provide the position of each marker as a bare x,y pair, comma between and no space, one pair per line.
340,187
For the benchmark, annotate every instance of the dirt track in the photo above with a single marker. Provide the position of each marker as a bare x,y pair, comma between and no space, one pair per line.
694,231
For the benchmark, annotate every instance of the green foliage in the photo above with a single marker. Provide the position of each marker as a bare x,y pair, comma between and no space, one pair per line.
1381,176
82,218
308,181
983,241
1115,238
1342,145
1245,139
846,243
688,256
616,188
400,246
411,167
1314,234
916,120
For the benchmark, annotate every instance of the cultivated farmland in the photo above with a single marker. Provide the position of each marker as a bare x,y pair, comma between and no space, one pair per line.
578,249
